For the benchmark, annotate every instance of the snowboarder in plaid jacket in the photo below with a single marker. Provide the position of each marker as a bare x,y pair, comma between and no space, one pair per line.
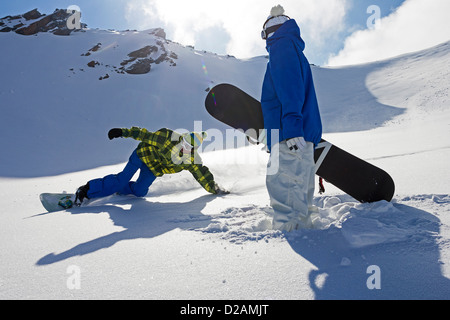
161,152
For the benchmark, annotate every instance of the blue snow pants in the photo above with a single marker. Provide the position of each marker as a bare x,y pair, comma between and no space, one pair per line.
120,183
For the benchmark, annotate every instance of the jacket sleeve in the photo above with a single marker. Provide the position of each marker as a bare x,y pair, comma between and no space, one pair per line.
202,174
158,139
136,133
289,85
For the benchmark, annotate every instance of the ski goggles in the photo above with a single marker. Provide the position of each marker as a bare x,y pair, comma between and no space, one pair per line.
265,32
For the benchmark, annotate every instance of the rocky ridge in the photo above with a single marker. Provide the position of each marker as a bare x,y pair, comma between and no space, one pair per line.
139,61
33,22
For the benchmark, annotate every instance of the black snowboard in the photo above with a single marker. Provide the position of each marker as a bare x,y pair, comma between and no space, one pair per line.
356,177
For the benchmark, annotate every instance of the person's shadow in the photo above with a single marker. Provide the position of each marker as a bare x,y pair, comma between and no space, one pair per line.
144,219
410,268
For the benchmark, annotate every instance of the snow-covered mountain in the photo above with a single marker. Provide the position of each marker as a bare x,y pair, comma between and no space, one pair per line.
59,96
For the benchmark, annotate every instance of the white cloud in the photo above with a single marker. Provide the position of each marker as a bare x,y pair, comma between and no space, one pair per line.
416,25
240,20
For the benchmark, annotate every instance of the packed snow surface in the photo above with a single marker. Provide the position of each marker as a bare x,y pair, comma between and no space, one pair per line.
179,242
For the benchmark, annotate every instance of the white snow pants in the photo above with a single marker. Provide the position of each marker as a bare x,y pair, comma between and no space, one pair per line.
291,187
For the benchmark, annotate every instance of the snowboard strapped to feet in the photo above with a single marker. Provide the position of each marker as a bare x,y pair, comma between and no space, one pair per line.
356,177
57,201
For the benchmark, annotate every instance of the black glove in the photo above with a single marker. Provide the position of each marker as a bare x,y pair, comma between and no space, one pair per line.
220,191
114,133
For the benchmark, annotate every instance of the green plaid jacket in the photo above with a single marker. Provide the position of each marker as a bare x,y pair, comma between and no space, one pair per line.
161,151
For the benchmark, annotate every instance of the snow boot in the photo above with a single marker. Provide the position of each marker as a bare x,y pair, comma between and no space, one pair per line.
81,194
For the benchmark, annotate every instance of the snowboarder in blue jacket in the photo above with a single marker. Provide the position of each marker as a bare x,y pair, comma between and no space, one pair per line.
290,109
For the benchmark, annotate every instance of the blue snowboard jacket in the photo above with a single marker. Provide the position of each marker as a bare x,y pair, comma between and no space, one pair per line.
288,100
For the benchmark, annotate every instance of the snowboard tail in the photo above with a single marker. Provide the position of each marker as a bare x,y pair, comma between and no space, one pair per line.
356,177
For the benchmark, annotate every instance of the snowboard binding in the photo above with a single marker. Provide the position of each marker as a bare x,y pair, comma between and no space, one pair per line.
66,202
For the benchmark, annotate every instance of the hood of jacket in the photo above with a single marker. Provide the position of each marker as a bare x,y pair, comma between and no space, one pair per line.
289,29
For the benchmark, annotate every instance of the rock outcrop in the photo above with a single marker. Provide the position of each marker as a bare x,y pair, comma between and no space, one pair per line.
33,22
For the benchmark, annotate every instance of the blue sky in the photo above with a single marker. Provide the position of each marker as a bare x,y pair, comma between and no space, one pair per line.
233,26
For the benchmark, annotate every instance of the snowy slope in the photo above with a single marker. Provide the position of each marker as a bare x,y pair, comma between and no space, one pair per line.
180,242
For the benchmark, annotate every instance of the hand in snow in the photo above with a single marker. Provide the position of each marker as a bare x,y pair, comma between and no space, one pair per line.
296,144
221,191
